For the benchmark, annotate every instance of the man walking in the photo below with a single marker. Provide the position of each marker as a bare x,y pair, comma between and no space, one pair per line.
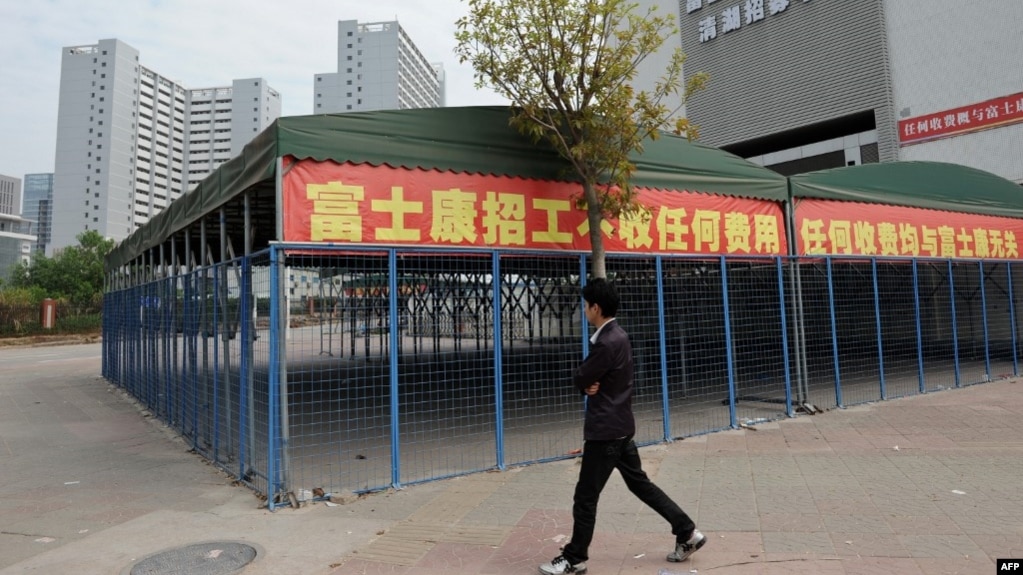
606,377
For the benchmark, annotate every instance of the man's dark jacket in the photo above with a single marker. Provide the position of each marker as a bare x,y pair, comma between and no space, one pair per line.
609,411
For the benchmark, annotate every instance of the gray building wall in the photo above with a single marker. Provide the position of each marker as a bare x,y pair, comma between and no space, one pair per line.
159,149
255,106
946,54
10,195
810,63
94,169
652,68
378,68
782,83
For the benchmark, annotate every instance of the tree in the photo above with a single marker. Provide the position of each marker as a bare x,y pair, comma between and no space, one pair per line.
74,274
567,68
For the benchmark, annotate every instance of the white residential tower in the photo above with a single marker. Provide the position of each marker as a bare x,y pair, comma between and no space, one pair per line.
378,68
130,140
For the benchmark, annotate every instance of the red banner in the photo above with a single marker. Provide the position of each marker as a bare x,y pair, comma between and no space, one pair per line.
840,228
380,205
972,118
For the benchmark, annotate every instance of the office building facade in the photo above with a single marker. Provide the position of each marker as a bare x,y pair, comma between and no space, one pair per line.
379,68
802,85
37,207
16,237
130,140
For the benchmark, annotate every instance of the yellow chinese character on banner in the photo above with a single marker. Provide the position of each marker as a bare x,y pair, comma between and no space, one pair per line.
707,231
929,241
552,235
983,248
397,207
737,232
454,216
768,235
996,243
965,240
634,229
947,237
866,243
335,214
813,237
840,235
909,238
1011,249
888,237
672,230
504,219
606,228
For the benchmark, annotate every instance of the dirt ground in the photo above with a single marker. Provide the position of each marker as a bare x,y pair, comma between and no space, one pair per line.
56,339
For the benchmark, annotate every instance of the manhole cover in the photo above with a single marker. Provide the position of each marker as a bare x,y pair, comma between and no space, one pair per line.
217,558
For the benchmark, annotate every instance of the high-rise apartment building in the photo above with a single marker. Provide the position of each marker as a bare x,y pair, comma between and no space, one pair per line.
16,237
130,141
378,68
37,207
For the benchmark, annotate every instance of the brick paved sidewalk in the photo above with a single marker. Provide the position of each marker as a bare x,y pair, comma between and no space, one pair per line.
923,485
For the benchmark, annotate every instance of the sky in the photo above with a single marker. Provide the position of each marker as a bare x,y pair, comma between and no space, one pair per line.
201,44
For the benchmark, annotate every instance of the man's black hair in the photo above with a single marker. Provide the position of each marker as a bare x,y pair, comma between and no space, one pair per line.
603,293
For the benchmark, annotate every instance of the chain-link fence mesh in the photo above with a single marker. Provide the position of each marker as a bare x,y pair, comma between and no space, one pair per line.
302,369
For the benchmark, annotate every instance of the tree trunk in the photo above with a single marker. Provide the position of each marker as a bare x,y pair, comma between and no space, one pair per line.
595,216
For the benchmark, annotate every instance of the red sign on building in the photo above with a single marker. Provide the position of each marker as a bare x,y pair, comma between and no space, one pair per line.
972,118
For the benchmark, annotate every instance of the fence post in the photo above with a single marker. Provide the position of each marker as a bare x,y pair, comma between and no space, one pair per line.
784,336
274,381
392,300
834,336
955,321
983,315
245,396
732,417
919,334
663,345
1012,318
495,273
880,333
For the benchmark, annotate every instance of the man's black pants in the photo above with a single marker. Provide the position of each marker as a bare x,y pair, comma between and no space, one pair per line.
600,458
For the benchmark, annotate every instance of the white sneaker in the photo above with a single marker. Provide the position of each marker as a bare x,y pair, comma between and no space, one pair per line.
684,550
559,566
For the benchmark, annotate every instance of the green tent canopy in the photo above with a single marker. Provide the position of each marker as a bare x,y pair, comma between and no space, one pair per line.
933,185
475,140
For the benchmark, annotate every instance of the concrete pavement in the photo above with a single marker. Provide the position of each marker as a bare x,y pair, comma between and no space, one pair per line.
929,484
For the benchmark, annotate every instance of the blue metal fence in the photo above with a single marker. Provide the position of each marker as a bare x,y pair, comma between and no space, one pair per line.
303,368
